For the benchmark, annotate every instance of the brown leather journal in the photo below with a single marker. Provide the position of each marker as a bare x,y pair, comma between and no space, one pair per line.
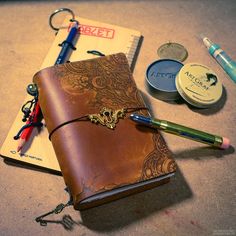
103,155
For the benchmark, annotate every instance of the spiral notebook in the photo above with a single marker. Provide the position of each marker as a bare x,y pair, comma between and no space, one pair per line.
93,36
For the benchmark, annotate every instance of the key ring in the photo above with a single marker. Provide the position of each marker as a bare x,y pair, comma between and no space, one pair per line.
58,11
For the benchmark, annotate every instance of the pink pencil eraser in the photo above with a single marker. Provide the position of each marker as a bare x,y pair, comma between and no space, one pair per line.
225,144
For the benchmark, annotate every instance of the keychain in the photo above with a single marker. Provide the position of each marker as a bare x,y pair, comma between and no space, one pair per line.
31,109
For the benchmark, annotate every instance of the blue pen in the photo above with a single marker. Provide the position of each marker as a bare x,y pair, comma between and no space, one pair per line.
221,57
67,45
183,131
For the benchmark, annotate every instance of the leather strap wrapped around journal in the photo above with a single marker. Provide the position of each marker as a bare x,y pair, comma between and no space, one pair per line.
102,154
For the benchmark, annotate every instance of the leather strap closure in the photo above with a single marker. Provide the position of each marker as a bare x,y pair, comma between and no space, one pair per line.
106,117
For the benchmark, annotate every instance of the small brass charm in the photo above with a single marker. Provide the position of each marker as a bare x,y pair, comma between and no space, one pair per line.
107,117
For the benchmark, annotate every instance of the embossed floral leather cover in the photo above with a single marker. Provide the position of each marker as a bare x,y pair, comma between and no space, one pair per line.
101,162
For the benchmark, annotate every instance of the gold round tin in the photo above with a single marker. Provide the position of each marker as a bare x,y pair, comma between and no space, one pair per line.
173,51
198,85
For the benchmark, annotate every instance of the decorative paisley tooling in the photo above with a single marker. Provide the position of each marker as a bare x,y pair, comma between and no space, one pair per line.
157,162
103,80
108,117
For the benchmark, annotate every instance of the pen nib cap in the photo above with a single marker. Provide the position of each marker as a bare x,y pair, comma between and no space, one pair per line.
207,42
140,119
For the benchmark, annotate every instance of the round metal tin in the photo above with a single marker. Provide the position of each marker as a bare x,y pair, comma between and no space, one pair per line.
174,51
198,85
160,77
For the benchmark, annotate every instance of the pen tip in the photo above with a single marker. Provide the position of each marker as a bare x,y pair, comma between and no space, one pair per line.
202,36
20,144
